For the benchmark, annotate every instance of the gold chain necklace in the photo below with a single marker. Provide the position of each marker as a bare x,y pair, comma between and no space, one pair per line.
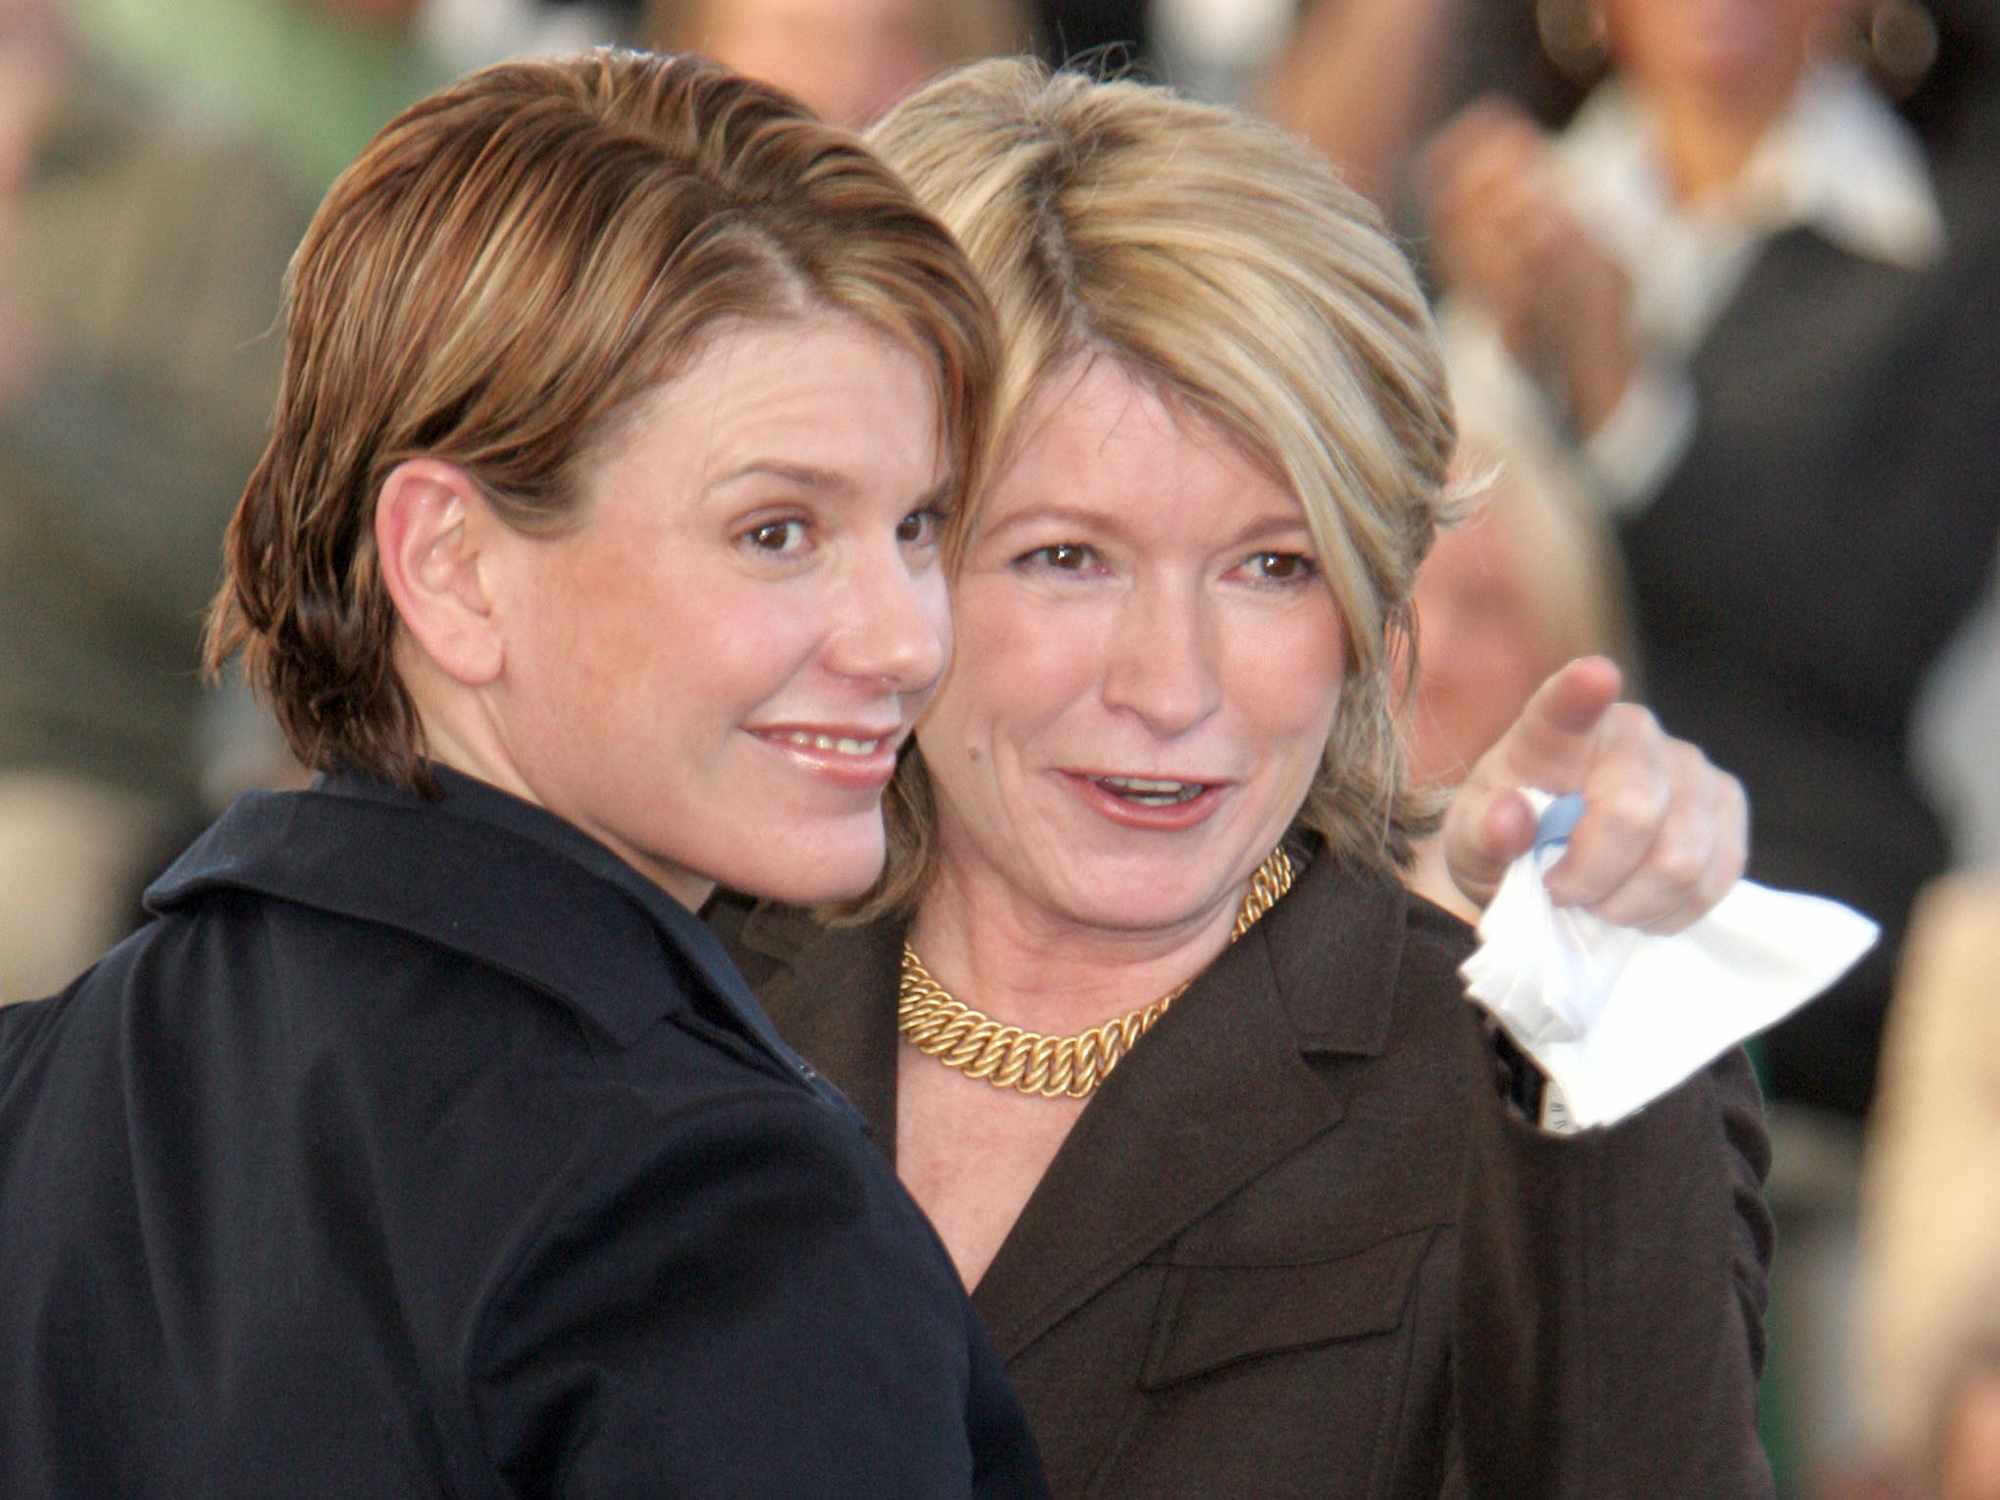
940,1025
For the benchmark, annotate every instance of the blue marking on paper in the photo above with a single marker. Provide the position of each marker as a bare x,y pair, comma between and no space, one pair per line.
1557,821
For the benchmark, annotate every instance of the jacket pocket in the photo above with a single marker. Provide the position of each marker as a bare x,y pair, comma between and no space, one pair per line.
1214,1316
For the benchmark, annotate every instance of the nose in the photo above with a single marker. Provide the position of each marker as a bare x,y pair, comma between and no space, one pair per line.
1162,658
897,630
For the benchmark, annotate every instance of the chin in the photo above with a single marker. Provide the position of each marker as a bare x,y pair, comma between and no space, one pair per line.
811,875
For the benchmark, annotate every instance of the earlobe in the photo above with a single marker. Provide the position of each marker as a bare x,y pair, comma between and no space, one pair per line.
431,521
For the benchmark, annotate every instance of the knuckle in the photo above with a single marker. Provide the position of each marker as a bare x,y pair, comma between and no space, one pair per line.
1681,860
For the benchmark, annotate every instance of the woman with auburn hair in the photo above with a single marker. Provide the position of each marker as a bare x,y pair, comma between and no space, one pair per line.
1184,1076
425,1142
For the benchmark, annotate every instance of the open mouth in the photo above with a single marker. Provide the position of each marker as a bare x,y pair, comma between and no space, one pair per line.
1148,793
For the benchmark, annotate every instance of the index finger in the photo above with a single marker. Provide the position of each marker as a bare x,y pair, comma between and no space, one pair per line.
1552,743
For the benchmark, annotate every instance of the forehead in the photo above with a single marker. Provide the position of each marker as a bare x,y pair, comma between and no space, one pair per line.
1097,428
821,402
808,381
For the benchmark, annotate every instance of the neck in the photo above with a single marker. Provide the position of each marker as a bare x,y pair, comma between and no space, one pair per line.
1012,958
1707,140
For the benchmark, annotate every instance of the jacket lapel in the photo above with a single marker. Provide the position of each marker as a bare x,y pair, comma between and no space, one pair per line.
833,997
1218,1093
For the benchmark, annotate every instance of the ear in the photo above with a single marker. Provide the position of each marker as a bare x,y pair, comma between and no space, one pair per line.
432,527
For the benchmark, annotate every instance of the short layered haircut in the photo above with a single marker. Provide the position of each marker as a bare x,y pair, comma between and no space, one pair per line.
507,270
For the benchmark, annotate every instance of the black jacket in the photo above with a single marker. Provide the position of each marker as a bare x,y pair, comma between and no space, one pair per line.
426,1148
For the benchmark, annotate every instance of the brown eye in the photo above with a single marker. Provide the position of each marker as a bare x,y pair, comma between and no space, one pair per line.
1280,567
920,527
777,536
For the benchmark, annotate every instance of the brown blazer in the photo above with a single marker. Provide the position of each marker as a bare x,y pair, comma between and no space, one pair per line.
1296,1245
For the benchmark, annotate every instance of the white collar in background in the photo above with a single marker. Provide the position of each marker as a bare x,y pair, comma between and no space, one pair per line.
1839,161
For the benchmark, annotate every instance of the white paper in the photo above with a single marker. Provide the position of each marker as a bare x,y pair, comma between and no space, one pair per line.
1616,1017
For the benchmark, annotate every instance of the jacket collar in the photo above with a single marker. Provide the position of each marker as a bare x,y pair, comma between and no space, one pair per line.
1316,976
483,874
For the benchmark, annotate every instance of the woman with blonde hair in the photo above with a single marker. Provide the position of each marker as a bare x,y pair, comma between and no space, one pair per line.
1182,1073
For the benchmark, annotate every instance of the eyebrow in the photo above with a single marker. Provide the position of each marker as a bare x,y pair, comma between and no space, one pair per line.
805,476
1121,528
825,481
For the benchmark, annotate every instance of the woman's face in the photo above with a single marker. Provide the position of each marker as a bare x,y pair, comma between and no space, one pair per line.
849,59
1148,673
1719,50
713,673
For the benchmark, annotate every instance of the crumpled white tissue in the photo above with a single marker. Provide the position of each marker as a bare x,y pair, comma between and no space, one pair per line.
1615,1017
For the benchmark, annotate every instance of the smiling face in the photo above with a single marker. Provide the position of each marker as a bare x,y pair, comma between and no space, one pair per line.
712,674
1148,672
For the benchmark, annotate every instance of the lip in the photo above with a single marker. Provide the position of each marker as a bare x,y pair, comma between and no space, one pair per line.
1168,818
829,751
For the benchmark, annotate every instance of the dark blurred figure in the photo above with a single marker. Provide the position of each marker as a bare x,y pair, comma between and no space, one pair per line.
1762,310
139,267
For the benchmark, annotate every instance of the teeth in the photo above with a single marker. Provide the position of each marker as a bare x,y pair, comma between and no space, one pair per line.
1152,793
829,742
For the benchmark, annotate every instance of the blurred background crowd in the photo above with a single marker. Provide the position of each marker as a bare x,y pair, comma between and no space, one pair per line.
1718,280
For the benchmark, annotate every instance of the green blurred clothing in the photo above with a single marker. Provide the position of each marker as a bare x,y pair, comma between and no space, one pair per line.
149,259
312,88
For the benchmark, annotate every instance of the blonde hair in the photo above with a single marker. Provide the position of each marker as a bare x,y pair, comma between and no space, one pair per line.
1223,261
509,267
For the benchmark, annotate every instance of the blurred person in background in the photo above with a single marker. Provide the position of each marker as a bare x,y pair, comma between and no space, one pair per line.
140,257
1742,298
1755,307
312,79
1527,581
849,59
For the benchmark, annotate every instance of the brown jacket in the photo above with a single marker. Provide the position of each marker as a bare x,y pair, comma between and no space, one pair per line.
1296,1245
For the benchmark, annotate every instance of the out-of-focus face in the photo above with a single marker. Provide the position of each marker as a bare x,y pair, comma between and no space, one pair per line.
1717,49
717,668
1148,670
1482,643
849,59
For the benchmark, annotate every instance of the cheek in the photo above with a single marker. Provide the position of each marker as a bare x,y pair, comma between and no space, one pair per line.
1018,657
1297,676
